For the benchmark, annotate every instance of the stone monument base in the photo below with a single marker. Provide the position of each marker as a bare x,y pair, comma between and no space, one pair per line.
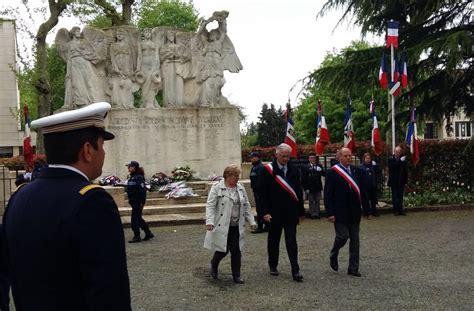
206,139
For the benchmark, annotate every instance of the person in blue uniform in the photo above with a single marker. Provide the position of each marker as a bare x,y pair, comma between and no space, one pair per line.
283,205
136,192
65,243
343,198
372,173
255,173
311,177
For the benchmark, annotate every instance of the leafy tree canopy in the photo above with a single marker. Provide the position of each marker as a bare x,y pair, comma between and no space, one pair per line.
438,38
175,13
271,126
334,101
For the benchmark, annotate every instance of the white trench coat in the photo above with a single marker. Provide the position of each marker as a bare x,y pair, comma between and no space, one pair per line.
218,213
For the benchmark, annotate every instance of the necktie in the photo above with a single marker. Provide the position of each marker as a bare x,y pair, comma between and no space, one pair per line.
284,168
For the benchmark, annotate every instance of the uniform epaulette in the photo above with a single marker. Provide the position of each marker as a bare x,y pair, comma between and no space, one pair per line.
19,187
88,187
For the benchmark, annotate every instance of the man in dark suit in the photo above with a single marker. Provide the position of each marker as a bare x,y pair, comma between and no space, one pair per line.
64,237
397,179
343,197
282,199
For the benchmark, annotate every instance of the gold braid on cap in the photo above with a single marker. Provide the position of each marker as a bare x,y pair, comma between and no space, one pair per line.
93,121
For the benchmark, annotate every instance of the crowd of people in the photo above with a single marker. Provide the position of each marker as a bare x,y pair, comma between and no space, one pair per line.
350,192
78,243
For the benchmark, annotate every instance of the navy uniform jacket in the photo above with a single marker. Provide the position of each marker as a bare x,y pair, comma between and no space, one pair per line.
276,201
136,190
255,174
340,200
66,247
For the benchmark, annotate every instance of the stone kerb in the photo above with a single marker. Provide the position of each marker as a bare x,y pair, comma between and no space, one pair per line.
206,139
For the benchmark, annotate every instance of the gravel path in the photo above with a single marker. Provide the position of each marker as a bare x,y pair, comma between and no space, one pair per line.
422,261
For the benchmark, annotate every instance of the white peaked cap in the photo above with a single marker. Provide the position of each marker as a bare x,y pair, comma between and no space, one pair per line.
92,115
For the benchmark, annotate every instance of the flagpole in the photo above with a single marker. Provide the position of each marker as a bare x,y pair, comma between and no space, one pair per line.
393,97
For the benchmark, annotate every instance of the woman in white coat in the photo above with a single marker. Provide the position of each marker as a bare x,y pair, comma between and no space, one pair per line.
227,210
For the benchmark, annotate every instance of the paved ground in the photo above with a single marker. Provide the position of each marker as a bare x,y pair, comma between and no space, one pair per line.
422,261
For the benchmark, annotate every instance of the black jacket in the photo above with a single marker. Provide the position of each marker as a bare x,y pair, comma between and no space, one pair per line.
65,245
255,174
340,200
276,201
312,177
397,173
372,175
136,190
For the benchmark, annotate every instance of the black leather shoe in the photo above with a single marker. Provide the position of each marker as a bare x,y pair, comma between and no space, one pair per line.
214,272
315,217
258,230
334,265
298,277
274,272
402,214
238,280
354,273
135,239
148,236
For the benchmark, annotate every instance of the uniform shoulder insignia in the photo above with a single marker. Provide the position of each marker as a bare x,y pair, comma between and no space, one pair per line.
19,187
86,189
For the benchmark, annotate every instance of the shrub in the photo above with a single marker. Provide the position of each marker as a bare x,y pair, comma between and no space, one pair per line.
18,162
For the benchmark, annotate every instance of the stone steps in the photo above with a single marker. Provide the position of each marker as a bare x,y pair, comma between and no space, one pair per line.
167,209
178,201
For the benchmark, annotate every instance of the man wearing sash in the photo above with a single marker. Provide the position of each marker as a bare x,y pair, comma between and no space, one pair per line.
343,200
282,200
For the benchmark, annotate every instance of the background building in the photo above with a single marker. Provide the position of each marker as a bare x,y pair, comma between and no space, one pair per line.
11,135
463,128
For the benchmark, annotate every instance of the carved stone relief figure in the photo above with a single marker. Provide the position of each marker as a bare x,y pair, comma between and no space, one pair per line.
85,55
121,70
173,56
216,55
148,69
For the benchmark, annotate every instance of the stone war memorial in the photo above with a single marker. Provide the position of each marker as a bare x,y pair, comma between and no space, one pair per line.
195,124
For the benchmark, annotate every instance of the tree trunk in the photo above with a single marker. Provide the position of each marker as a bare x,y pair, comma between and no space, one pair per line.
41,82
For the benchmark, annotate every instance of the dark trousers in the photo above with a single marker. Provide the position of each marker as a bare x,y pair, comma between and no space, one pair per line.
137,220
259,208
4,293
314,200
397,199
370,206
233,246
344,232
273,245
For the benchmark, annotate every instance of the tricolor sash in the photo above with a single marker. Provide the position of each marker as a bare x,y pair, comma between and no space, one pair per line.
282,182
344,174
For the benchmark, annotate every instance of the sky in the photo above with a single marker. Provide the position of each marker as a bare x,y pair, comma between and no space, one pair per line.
278,42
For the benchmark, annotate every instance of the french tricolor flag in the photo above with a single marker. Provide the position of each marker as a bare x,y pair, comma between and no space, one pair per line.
383,73
412,138
349,135
376,139
322,136
27,148
404,71
290,130
392,34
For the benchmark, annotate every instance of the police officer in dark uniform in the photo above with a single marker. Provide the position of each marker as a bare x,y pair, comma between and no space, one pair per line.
64,237
255,174
136,192
311,176
372,173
